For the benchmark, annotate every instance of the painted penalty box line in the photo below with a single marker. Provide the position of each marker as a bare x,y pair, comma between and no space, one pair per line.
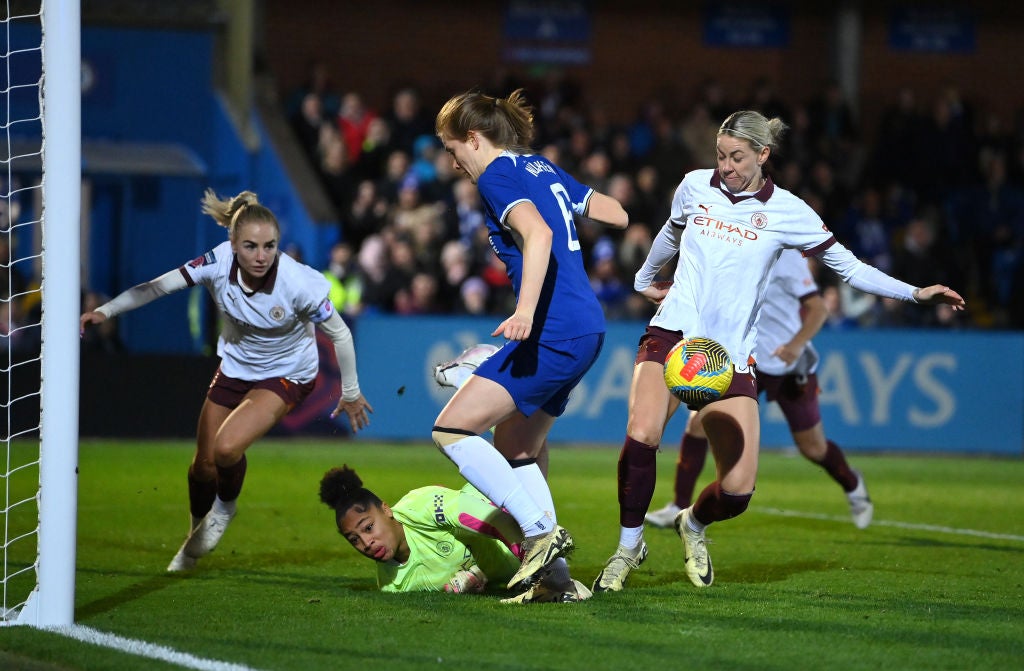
144,649
894,524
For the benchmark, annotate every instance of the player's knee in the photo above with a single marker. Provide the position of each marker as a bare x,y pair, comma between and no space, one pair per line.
643,434
443,437
203,469
226,452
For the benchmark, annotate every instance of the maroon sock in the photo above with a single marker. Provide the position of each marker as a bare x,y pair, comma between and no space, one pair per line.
835,465
200,495
714,505
692,453
230,479
637,476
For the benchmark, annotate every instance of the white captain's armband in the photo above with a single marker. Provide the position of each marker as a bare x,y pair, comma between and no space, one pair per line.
323,312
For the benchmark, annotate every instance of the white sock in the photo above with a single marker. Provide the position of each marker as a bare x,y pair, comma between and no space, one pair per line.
533,482
224,507
631,537
693,524
860,491
488,471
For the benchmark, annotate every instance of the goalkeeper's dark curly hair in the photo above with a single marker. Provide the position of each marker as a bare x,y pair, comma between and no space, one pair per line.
341,489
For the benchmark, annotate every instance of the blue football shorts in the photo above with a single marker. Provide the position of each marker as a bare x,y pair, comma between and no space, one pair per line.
541,375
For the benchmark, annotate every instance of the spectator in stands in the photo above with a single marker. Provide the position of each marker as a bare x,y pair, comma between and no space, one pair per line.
379,284
376,149
466,217
365,216
832,194
898,151
268,352
424,155
918,258
698,132
354,121
987,220
867,233
306,123
336,172
395,175
418,223
650,202
475,295
419,297
906,145
948,150
764,98
620,153
407,120
606,279
345,291
455,271
318,81
835,132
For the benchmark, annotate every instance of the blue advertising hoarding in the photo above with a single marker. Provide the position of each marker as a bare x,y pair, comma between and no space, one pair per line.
935,29
760,25
908,391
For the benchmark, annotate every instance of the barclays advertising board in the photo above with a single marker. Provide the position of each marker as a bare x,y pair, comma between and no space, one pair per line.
908,391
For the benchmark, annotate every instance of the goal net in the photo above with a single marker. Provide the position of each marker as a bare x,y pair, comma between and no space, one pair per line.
40,187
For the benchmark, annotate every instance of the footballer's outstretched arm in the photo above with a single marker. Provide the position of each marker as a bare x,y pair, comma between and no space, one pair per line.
135,297
351,402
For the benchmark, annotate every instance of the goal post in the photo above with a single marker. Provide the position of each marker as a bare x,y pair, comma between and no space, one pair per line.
51,603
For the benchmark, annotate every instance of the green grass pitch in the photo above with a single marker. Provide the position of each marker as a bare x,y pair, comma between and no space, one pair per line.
937,582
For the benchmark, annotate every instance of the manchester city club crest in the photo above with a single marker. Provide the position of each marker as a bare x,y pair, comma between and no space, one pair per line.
277,313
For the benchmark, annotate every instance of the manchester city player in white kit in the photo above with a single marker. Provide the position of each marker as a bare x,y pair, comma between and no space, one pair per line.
554,336
728,225
269,305
793,312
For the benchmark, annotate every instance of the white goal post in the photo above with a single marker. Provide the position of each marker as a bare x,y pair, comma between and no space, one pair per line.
51,601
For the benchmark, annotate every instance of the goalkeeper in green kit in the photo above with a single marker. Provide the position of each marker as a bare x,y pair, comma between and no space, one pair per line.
433,539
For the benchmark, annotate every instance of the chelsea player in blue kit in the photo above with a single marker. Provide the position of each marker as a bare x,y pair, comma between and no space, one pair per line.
552,339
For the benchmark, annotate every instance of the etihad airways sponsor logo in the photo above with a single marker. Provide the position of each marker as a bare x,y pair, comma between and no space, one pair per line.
723,229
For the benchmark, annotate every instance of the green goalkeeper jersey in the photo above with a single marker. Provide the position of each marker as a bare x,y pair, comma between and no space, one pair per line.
449,531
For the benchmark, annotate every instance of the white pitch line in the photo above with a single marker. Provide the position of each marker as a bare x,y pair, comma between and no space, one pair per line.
898,525
143,649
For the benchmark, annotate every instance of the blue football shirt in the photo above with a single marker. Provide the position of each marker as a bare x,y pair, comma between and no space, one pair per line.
567,307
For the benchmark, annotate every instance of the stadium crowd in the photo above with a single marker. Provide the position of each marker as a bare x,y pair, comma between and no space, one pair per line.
936,195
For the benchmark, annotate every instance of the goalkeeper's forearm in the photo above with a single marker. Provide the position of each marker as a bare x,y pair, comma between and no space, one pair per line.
143,293
344,349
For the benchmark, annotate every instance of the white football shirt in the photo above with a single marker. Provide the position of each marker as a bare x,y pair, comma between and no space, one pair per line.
780,316
729,245
268,333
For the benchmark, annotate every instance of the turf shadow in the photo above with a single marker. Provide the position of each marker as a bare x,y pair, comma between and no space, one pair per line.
126,595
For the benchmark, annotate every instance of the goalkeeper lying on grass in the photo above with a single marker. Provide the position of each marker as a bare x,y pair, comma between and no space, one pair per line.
433,539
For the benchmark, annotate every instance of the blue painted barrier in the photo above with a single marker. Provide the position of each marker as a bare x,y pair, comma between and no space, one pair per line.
892,390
